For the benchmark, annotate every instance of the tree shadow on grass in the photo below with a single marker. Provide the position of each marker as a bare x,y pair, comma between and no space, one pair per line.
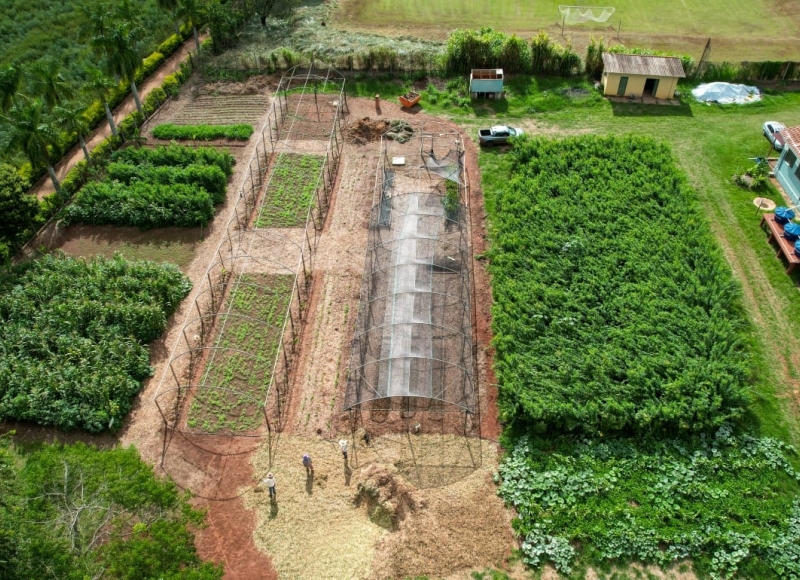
642,110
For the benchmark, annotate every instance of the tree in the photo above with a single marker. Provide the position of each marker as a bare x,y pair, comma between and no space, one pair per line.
170,7
10,80
47,82
192,11
98,85
120,44
17,207
71,118
33,136
275,8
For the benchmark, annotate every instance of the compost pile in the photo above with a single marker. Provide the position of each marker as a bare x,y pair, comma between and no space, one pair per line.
365,131
400,131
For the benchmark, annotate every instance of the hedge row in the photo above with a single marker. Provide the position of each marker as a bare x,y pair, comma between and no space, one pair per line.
79,174
203,132
141,204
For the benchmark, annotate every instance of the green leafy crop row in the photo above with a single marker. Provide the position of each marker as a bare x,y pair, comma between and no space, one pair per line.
176,156
208,177
614,309
203,132
290,192
719,500
141,204
72,336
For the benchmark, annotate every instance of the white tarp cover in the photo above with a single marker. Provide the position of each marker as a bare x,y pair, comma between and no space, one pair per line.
726,93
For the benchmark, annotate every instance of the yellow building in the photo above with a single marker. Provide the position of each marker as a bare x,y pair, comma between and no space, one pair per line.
634,75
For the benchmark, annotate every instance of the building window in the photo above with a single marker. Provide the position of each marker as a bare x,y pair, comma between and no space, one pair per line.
790,158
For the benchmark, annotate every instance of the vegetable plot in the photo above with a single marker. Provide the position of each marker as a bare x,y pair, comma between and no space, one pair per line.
72,336
290,192
239,369
203,132
153,188
715,499
613,307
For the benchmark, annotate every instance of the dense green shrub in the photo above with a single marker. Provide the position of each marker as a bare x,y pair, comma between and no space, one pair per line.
203,132
140,204
593,66
550,58
209,177
17,208
149,65
613,307
727,502
170,45
154,100
176,156
72,335
131,123
75,512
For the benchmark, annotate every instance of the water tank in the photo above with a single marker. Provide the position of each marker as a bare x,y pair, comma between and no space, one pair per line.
791,231
783,214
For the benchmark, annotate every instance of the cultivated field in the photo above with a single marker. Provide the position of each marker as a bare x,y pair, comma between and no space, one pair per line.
740,29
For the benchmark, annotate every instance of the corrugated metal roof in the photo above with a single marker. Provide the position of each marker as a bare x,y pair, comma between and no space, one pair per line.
637,64
791,137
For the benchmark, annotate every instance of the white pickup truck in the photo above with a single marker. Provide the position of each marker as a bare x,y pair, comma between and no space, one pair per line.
498,135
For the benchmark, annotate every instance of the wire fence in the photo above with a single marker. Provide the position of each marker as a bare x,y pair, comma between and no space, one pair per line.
230,370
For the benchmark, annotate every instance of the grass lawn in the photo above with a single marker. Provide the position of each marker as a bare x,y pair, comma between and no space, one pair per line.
763,25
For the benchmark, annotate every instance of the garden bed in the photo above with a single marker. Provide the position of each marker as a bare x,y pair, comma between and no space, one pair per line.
290,191
234,382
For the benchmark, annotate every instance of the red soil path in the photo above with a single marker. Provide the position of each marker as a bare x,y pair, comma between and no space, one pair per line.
44,186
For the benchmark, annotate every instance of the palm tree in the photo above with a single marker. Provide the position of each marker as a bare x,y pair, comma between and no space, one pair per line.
171,7
33,136
47,82
98,85
71,118
191,10
120,44
10,80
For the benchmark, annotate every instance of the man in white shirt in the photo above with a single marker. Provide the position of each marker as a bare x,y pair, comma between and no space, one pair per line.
269,481
343,447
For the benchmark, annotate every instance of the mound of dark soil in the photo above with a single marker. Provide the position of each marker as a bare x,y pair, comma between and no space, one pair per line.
365,131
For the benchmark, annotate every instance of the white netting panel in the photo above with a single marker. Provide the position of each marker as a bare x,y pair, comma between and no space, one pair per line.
580,14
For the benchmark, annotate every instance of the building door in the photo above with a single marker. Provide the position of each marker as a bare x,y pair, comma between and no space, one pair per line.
650,87
623,84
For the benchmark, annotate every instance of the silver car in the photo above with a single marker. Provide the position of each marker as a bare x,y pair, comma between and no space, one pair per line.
772,131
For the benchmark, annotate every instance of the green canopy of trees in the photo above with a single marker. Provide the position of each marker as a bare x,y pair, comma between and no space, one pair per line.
76,512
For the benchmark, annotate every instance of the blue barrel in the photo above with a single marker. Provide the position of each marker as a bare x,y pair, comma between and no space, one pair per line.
783,214
797,247
791,231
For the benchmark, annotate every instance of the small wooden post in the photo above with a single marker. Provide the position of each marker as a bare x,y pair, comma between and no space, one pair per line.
563,18
618,27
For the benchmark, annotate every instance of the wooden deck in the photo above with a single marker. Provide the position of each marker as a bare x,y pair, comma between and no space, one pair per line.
786,247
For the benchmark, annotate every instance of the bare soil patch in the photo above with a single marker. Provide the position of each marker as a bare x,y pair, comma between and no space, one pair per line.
174,245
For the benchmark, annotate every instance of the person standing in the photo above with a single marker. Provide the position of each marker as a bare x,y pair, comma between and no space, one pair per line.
270,483
343,447
307,464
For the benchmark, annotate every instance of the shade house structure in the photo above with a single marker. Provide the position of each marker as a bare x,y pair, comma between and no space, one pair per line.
413,344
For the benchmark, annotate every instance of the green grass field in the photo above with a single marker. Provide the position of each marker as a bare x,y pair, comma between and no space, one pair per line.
740,29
